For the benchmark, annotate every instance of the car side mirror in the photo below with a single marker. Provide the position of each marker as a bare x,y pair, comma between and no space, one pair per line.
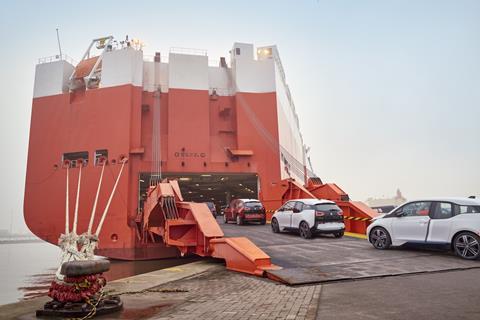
295,210
399,214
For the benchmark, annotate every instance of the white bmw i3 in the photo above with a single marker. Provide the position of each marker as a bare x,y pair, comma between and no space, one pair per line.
309,217
450,221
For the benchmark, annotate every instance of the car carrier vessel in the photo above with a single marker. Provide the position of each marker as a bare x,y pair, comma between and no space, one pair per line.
223,130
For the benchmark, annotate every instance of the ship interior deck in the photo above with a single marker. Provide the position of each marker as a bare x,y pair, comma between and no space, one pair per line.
218,188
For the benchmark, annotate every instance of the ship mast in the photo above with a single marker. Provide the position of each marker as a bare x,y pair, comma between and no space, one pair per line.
59,47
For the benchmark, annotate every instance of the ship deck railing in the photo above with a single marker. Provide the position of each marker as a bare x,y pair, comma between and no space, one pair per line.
57,57
193,51
164,59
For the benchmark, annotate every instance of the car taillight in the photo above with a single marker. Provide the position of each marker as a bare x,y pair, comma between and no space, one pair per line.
340,213
319,214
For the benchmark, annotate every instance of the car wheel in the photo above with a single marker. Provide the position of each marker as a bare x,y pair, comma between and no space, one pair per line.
225,219
380,239
275,227
305,231
338,234
239,220
467,245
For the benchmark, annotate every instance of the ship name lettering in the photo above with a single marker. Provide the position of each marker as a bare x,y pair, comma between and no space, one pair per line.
183,154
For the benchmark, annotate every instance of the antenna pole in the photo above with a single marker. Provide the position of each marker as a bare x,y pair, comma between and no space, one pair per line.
59,47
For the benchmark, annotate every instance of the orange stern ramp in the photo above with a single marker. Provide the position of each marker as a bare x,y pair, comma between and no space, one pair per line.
191,228
242,255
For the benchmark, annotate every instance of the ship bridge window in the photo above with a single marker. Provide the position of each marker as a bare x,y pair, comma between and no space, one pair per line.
237,51
264,52
99,155
73,157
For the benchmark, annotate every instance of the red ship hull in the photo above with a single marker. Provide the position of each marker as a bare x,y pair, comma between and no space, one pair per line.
113,119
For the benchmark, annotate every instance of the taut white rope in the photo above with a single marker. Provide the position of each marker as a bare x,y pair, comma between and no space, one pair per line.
67,222
92,216
68,241
99,228
75,216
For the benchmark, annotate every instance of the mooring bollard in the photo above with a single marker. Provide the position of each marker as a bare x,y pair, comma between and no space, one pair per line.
80,293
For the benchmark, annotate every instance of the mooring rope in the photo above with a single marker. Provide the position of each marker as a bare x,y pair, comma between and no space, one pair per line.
67,218
75,216
99,228
92,215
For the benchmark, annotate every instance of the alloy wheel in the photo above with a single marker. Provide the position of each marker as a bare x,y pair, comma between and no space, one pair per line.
467,246
380,239
305,231
275,227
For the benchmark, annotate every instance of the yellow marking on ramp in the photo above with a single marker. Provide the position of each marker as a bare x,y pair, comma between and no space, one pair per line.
355,235
173,269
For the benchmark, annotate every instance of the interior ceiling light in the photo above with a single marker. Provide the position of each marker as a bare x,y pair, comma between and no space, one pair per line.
185,179
205,175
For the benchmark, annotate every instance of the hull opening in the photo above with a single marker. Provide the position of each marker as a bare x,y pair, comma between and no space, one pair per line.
218,188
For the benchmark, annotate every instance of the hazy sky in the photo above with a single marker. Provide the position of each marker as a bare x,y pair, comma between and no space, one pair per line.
387,92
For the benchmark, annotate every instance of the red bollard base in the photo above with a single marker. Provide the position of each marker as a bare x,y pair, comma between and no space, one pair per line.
105,305
80,293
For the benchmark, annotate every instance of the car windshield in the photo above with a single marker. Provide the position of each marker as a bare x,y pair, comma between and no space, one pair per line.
253,204
325,207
